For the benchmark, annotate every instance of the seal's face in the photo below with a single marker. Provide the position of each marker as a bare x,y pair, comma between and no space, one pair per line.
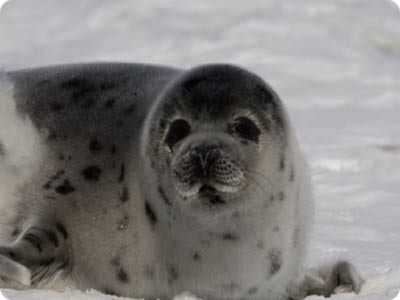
209,133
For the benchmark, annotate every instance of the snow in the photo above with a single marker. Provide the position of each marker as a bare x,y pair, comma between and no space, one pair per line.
336,64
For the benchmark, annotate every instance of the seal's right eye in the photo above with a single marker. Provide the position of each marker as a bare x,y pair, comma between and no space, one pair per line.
177,131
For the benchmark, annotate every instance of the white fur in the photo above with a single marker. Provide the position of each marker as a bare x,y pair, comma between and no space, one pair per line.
20,149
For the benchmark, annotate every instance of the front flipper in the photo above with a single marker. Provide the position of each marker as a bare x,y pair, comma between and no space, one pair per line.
341,277
13,274
34,258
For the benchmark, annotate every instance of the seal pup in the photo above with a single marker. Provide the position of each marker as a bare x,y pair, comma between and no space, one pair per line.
157,180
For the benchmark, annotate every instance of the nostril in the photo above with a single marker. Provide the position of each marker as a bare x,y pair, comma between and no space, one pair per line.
212,156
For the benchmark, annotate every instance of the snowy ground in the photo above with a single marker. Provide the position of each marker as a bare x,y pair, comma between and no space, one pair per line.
336,64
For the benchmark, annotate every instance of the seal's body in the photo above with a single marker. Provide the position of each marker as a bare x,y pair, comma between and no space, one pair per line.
155,181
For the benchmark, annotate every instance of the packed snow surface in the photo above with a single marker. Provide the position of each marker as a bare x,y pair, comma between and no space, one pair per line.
335,63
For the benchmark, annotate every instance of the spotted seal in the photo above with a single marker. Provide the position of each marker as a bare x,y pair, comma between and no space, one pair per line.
153,181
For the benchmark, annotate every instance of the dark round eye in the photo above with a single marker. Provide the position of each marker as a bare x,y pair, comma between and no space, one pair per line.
246,129
177,131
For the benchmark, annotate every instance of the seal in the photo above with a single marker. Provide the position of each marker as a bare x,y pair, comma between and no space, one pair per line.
153,181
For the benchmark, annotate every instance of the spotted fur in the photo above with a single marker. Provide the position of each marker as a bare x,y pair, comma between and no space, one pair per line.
222,212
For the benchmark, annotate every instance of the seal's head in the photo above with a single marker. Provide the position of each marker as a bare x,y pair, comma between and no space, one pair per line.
209,135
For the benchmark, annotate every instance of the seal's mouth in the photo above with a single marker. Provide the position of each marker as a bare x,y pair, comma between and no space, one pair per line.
207,190
211,196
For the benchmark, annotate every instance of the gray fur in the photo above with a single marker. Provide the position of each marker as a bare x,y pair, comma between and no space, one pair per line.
112,197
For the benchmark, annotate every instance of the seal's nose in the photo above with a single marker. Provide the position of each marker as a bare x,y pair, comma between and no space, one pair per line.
207,155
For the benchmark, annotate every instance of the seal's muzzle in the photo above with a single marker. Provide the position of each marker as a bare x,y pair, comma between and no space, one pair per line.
207,168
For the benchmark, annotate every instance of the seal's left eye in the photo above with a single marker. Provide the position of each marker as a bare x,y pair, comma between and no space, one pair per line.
178,130
246,129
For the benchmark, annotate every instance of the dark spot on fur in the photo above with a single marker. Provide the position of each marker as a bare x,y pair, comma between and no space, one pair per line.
229,236
121,176
253,290
129,110
109,103
196,256
47,185
95,146
107,86
162,124
56,106
113,149
52,136
150,213
272,198
92,173
291,176
33,240
53,178
173,273
52,237
282,162
124,196
60,227
65,188
281,196
275,259
12,254
122,276
164,196
275,229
